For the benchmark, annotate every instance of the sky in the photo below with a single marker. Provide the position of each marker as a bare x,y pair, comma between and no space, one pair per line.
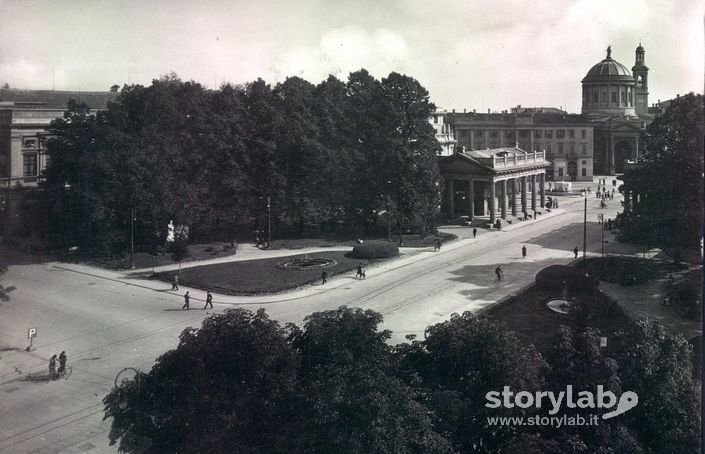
469,54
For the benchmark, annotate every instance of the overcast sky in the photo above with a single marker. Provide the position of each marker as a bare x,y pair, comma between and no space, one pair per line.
468,53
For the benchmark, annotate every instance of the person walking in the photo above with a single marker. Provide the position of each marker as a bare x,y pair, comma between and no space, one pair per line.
175,283
575,252
359,271
187,301
498,271
474,232
209,300
438,245
324,277
523,251
62,363
52,367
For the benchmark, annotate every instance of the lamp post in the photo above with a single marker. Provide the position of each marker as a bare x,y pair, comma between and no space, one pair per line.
132,238
389,218
585,231
269,222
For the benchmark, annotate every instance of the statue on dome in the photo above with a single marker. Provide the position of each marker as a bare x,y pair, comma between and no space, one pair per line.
609,51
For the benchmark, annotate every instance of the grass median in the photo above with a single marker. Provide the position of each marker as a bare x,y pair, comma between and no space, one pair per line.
262,276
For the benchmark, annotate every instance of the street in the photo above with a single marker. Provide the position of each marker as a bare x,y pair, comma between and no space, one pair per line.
106,321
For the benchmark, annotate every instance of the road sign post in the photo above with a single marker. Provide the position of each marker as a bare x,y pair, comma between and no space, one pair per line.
31,334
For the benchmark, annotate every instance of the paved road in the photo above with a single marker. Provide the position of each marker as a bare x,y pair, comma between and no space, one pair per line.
106,321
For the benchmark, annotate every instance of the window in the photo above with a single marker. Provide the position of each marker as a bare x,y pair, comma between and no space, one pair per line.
614,97
537,133
624,97
523,133
594,97
584,147
548,133
572,148
494,133
29,142
584,163
560,133
508,134
548,148
583,133
463,133
29,165
479,132
560,171
584,171
560,148
571,133
435,118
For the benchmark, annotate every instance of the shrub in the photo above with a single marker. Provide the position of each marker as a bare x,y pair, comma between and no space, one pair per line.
685,298
552,278
375,250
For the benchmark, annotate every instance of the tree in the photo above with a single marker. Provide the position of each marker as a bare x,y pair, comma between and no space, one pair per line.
459,362
669,180
228,387
658,367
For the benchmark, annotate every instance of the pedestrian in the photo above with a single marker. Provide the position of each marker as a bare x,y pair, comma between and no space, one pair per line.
614,183
209,300
575,252
364,274
62,363
52,367
233,246
474,232
612,191
523,252
498,271
187,301
438,244
359,271
435,245
556,201
175,283
324,277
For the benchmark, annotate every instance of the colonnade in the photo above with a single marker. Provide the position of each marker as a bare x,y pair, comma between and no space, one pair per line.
509,188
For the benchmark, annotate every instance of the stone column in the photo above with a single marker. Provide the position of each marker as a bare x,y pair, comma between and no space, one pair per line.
514,196
493,202
504,199
611,155
522,188
471,194
542,187
451,199
533,192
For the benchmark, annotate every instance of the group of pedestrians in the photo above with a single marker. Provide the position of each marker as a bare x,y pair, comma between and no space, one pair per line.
187,301
55,373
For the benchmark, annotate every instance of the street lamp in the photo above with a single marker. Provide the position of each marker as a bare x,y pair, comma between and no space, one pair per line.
585,231
389,212
132,238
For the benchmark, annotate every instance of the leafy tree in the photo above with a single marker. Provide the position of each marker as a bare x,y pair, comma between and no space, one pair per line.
669,180
227,387
659,367
463,359
355,401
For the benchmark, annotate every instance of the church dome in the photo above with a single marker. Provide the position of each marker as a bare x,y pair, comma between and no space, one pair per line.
607,70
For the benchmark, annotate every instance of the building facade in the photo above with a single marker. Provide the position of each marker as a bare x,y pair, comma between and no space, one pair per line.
444,132
565,139
602,139
24,117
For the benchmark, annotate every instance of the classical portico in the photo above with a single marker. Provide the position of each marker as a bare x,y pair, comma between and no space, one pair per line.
494,182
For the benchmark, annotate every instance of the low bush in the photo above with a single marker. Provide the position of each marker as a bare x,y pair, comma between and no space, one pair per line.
578,281
375,250
684,297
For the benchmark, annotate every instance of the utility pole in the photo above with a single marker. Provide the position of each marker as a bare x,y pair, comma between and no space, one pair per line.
132,239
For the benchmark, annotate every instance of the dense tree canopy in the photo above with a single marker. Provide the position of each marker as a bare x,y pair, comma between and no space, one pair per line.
210,159
669,180
242,383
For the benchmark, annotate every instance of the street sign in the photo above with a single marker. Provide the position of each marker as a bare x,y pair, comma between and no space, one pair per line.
32,332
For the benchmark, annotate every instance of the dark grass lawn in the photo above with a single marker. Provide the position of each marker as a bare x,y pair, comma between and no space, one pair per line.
528,316
263,276
628,270
144,260
410,240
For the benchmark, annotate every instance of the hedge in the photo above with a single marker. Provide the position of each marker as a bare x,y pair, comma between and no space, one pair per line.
375,250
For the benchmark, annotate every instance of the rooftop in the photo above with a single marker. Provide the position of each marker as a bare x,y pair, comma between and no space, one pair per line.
51,99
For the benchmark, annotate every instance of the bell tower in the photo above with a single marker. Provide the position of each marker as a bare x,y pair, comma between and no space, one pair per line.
641,92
